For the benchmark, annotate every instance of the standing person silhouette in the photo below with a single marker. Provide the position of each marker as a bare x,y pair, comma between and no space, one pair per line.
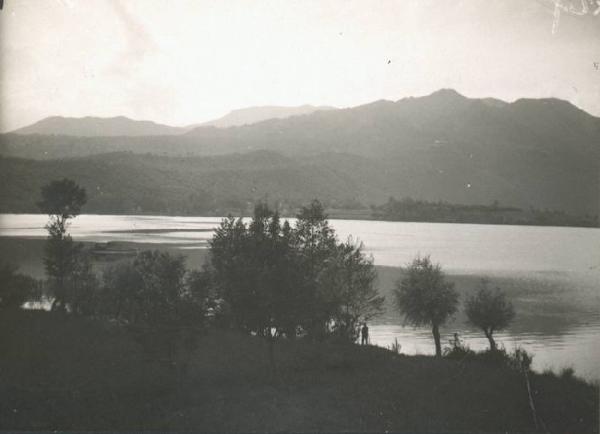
364,334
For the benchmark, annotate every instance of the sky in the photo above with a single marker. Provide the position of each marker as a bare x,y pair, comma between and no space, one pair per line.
181,62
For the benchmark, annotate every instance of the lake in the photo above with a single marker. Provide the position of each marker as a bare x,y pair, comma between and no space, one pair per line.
552,274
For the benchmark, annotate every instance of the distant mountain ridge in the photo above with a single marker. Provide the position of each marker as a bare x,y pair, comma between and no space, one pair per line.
252,115
91,126
543,153
121,126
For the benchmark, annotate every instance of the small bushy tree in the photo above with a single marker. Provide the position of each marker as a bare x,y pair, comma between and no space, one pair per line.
119,292
155,289
347,289
315,243
254,269
82,286
61,200
425,297
162,286
489,310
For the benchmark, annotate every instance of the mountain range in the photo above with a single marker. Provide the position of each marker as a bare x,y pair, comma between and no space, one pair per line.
91,126
543,153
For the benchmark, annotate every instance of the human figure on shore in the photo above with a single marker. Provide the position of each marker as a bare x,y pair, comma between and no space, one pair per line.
364,334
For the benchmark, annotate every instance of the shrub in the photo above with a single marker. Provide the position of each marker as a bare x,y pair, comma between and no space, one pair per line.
457,349
490,311
567,373
395,347
426,298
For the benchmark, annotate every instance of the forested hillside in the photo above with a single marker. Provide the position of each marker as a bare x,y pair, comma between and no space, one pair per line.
530,153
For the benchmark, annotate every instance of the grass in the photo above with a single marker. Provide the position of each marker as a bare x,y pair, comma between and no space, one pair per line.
67,373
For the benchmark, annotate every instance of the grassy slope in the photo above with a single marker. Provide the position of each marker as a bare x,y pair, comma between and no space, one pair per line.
70,373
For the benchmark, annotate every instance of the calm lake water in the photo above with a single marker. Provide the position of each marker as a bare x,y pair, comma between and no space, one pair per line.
553,274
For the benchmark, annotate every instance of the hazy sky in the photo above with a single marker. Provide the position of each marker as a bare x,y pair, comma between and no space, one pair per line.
181,62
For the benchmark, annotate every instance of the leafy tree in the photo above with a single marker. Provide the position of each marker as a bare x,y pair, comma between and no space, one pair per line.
255,270
82,286
424,297
196,298
15,288
162,286
278,280
61,200
347,289
229,264
315,242
163,303
490,311
155,289
121,285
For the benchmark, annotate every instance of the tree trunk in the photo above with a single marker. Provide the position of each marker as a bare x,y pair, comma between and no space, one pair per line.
436,338
490,337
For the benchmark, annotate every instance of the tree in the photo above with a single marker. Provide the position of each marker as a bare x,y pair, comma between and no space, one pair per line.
315,242
255,270
120,291
283,281
490,311
424,297
82,286
15,288
347,290
61,200
162,286
155,289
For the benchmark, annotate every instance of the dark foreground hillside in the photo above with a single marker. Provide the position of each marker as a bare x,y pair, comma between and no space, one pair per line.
63,372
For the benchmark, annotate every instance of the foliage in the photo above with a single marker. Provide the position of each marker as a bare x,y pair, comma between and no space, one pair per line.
315,241
62,198
457,349
346,287
82,286
162,285
144,183
15,288
425,298
520,359
281,281
409,209
254,271
65,267
197,298
118,293
60,261
154,289
489,310
395,347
